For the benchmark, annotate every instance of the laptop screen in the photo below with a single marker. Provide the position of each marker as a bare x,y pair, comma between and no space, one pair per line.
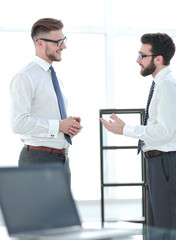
37,198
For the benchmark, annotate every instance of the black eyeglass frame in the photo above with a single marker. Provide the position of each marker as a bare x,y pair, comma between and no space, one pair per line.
59,42
141,56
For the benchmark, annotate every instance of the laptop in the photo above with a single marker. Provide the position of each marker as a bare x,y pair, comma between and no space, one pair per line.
37,203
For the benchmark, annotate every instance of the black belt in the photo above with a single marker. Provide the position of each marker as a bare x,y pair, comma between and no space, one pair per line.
155,153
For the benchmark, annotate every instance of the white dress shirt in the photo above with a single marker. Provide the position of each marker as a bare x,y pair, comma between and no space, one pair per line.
160,131
35,113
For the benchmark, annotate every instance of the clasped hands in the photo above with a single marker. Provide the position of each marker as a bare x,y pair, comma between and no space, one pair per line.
116,126
71,126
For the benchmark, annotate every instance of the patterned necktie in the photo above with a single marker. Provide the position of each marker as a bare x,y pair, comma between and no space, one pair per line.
140,142
60,100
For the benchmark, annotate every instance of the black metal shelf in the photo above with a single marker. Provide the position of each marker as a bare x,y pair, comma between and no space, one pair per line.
141,112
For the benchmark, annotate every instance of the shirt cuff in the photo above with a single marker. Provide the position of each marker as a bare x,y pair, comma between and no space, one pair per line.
53,128
129,131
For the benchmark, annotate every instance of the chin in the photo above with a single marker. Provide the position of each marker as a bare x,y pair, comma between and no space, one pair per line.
141,72
57,60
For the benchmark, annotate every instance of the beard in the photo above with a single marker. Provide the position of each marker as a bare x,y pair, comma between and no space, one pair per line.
51,56
148,70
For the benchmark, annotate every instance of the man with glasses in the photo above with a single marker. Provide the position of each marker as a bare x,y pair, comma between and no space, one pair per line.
38,103
157,137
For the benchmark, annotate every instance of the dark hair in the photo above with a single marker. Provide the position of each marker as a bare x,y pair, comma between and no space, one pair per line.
162,44
45,25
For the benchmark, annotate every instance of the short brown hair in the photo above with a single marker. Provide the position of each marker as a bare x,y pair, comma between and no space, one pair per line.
162,44
45,25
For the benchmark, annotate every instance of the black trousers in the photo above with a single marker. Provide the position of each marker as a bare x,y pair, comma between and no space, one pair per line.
31,157
161,191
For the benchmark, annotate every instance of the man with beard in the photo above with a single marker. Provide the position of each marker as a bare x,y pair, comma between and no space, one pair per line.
157,137
38,111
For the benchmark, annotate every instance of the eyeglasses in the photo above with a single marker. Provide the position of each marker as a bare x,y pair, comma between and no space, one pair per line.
59,42
141,56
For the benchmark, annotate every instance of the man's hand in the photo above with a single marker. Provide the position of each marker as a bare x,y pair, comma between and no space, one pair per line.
116,126
70,126
76,127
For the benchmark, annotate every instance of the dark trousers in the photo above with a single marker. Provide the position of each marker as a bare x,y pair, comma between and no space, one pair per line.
31,157
161,191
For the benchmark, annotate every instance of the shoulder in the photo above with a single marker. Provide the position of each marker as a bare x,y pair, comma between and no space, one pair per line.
25,76
31,71
167,87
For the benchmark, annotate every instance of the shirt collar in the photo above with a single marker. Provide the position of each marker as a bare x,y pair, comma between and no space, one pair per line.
42,63
162,74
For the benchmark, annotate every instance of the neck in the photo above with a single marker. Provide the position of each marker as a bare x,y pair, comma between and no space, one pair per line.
157,70
44,58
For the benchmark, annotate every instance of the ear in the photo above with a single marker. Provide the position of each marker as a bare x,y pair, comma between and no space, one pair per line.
39,43
159,60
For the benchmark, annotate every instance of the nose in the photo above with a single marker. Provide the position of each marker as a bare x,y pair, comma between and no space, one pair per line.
138,60
63,46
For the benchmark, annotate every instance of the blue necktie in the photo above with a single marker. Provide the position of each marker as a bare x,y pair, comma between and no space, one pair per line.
140,142
60,100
